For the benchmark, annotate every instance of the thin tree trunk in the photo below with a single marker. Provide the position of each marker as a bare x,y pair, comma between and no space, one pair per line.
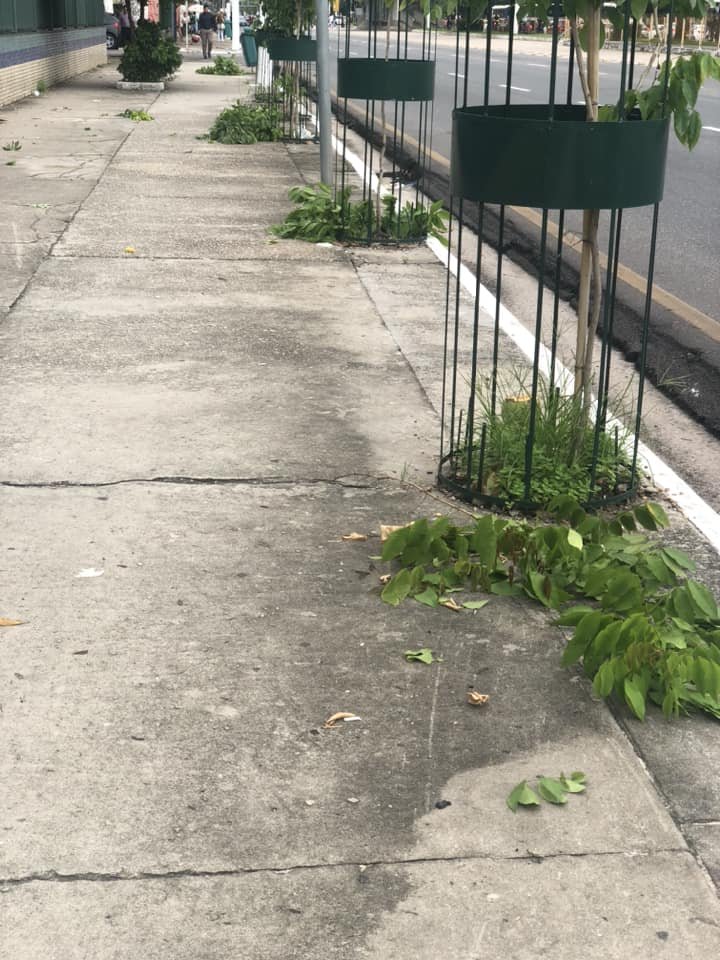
590,289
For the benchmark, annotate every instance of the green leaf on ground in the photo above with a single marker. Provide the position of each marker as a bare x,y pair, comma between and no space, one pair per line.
570,785
475,604
428,596
522,795
398,588
551,790
424,655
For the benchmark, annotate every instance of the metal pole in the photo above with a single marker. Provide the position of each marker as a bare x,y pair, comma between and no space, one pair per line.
323,81
235,15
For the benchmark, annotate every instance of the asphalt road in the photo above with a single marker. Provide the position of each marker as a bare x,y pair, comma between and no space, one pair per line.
689,233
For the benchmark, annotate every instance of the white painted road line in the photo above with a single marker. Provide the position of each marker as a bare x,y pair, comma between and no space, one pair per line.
518,89
697,511
460,76
714,129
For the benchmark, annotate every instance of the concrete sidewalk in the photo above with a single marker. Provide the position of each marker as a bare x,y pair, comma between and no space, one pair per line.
188,431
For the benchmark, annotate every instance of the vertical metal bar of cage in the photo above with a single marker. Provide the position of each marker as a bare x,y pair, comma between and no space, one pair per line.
481,222
605,352
446,335
626,82
613,255
367,140
470,420
501,221
456,316
557,9
427,159
343,168
530,440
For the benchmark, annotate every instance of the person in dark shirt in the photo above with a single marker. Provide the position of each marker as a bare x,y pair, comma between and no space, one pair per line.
206,26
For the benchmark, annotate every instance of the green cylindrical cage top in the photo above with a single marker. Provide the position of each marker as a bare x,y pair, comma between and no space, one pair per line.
369,78
533,156
292,49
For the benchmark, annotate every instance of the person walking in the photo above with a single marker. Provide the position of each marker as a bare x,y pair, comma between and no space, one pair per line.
220,24
125,32
206,26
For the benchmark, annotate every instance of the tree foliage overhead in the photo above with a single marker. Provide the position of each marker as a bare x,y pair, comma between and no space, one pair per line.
543,9
288,18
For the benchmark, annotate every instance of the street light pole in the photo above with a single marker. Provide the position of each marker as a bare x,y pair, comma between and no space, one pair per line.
323,81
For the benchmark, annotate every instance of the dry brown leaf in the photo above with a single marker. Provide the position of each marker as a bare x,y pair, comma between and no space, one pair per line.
387,528
477,699
354,536
450,604
333,720
4,622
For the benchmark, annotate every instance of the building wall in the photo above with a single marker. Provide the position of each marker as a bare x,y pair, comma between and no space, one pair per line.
47,55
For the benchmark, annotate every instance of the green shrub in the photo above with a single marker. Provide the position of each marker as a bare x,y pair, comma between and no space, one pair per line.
150,56
246,123
565,458
321,216
222,67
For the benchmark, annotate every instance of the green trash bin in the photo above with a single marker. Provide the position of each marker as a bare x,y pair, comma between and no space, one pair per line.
249,47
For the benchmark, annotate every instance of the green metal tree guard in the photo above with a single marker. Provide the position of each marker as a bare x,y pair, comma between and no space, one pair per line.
294,82
519,428
390,69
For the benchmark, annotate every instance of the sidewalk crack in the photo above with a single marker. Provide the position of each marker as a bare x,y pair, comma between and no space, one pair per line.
55,876
351,481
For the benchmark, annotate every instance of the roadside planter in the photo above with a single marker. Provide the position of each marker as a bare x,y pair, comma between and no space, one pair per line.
537,403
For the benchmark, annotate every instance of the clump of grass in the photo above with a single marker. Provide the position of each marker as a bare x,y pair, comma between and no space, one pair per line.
222,67
324,216
137,115
12,146
567,456
246,123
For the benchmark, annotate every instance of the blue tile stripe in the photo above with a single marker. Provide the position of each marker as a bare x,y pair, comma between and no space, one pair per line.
53,44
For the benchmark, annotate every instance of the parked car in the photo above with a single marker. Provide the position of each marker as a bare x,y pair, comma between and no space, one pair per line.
112,31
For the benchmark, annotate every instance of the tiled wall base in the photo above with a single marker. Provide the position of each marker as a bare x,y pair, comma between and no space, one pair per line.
51,62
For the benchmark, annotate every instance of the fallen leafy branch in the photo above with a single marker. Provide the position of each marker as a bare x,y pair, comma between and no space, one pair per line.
642,628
